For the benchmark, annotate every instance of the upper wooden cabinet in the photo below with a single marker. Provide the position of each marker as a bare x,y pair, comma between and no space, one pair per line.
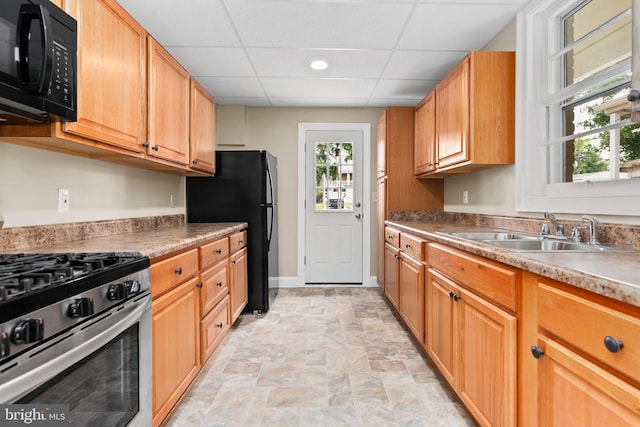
202,129
474,111
425,135
112,75
134,100
169,86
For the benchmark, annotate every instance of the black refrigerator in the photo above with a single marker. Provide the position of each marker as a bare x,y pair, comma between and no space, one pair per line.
244,189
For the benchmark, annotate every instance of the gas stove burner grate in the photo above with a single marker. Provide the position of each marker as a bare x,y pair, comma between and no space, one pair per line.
22,274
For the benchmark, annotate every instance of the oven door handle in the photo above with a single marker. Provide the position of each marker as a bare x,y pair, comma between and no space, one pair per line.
44,370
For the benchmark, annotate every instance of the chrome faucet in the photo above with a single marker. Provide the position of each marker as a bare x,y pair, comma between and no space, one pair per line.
559,228
593,229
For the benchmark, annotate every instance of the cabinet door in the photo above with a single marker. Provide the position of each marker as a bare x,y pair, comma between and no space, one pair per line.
202,130
239,284
575,392
411,298
487,375
452,118
112,75
425,136
176,346
391,274
169,85
441,321
382,146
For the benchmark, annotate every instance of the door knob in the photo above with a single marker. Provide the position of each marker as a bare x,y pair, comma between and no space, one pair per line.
357,204
358,216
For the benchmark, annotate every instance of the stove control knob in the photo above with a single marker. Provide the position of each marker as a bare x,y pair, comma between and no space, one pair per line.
81,307
28,331
133,286
117,292
4,344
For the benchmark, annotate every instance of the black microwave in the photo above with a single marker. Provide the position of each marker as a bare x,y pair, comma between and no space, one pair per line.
38,55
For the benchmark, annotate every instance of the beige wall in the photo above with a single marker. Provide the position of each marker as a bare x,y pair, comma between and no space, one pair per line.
276,130
30,179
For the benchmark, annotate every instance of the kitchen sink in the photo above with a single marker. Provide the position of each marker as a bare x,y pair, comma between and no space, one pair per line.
523,242
544,245
492,235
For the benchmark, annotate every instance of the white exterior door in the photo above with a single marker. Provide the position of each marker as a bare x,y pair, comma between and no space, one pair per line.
333,208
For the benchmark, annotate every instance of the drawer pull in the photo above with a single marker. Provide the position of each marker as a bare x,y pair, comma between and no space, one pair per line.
218,251
219,284
241,241
233,262
612,344
178,270
408,246
220,325
537,351
455,296
199,285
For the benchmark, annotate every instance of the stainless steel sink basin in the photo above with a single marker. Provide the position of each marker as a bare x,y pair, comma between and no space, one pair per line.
492,235
544,245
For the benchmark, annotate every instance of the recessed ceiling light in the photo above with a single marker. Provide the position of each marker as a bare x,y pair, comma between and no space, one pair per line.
319,65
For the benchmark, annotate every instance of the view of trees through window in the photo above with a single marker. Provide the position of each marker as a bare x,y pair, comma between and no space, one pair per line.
334,176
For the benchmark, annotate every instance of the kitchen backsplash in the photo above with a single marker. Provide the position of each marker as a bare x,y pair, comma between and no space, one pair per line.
608,233
19,238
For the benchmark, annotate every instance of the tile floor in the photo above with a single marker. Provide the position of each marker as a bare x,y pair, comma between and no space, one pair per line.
320,357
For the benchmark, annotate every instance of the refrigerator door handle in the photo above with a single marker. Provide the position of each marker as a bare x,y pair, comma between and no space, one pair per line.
270,206
270,228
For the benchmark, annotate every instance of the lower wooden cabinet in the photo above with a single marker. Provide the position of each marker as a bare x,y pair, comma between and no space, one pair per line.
392,274
213,328
239,283
176,346
470,339
411,294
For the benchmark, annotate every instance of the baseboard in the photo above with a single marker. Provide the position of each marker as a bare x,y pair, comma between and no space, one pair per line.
294,282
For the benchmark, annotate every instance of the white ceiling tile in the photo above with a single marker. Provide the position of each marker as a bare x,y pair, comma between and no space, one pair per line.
353,63
400,89
241,87
213,61
417,64
384,102
318,102
318,88
250,102
330,24
455,26
174,23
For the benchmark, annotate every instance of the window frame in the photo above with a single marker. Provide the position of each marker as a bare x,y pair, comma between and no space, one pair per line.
538,32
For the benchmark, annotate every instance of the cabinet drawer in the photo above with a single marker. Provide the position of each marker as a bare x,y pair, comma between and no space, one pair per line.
237,241
584,324
490,279
213,328
170,272
213,252
215,286
392,236
412,245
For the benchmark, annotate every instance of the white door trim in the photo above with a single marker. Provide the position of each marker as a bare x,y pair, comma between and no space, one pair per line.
365,128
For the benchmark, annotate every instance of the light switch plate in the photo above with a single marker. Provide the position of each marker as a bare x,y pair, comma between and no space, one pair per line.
63,200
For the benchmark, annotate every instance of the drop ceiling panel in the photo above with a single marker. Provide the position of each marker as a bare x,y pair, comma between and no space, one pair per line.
418,64
403,89
352,63
241,87
214,61
318,88
322,24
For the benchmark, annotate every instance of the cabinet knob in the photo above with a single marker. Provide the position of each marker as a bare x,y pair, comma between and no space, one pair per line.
633,96
220,325
195,162
537,351
612,344
456,297
451,294
218,251
408,246
155,148
145,144
199,285
219,284
178,270
233,262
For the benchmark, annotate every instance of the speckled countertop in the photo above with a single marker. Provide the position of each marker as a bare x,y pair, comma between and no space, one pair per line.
613,274
154,243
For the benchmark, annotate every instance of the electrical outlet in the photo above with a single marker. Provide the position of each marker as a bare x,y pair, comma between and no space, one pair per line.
63,200
465,197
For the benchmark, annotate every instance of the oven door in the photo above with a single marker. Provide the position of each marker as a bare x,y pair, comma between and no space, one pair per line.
101,369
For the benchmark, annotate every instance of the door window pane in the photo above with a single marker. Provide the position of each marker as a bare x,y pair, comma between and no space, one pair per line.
334,176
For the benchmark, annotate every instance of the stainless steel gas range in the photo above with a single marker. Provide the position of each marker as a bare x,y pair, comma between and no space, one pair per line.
75,330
